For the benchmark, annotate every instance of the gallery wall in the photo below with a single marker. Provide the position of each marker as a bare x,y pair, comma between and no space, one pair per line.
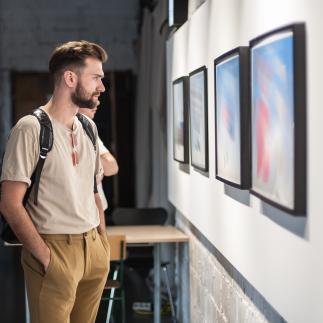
279,254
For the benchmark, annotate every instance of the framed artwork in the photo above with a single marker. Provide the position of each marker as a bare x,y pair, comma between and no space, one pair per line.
199,118
278,118
180,120
232,117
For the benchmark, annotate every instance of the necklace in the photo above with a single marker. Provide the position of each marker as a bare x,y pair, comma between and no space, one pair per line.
75,159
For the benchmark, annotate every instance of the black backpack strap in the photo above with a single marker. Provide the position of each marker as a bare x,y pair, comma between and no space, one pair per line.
87,128
95,189
45,146
89,131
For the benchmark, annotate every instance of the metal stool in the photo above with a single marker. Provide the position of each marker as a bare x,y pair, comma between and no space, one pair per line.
172,307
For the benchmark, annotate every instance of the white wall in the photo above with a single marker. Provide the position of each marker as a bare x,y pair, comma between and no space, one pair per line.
280,255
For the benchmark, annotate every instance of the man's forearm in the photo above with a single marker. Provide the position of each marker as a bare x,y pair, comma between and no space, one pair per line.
101,227
20,222
109,164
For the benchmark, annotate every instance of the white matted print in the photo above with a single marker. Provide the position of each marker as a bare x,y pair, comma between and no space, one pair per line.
180,120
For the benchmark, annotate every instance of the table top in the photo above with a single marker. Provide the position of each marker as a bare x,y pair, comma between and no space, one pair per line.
148,233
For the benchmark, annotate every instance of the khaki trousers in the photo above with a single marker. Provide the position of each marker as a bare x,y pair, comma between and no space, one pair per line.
71,289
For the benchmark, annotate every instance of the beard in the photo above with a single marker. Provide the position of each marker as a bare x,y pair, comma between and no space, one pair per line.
82,98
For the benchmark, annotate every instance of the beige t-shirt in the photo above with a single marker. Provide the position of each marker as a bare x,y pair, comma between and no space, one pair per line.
66,201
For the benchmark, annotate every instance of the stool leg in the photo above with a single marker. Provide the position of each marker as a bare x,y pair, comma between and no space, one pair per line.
123,306
169,294
27,306
115,275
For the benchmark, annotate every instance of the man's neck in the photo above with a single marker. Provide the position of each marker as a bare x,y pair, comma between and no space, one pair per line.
61,110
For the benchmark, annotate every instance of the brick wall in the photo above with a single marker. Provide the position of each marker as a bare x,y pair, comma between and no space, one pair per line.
29,30
218,292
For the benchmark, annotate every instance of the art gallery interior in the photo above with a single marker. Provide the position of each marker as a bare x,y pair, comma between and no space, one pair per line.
213,113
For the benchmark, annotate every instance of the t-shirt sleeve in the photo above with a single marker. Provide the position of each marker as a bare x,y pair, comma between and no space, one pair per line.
102,149
22,151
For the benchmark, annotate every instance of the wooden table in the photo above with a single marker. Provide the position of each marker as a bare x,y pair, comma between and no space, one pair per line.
156,235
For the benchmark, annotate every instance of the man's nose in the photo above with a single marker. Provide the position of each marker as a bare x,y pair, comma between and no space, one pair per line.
101,87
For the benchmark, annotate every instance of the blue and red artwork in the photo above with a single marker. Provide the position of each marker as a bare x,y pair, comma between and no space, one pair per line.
272,97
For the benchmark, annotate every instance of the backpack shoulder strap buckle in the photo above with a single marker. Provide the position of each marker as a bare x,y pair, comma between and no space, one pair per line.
45,146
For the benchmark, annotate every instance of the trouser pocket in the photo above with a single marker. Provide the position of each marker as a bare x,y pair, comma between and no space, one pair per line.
30,262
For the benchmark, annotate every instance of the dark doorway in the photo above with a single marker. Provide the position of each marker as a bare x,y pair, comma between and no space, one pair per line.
29,91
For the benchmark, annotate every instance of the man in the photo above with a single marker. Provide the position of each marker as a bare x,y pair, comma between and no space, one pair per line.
65,253
109,163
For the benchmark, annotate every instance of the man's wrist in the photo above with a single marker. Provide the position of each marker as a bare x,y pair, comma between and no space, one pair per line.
45,259
102,231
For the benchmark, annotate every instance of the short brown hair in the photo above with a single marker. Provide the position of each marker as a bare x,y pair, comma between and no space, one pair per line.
73,54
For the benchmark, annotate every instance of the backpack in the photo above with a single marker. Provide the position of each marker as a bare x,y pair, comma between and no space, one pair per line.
46,139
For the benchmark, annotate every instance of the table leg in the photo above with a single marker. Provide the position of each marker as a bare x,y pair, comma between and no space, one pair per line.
156,283
185,273
182,281
177,281
26,306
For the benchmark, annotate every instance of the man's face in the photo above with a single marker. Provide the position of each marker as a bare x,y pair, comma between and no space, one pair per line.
89,112
89,85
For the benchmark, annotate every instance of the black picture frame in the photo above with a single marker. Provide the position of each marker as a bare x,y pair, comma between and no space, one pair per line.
232,118
285,178
198,106
180,136
177,12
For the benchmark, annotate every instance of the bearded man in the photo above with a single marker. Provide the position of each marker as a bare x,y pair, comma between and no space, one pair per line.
65,253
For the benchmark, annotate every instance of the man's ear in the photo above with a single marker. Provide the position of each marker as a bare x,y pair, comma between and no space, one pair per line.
70,78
